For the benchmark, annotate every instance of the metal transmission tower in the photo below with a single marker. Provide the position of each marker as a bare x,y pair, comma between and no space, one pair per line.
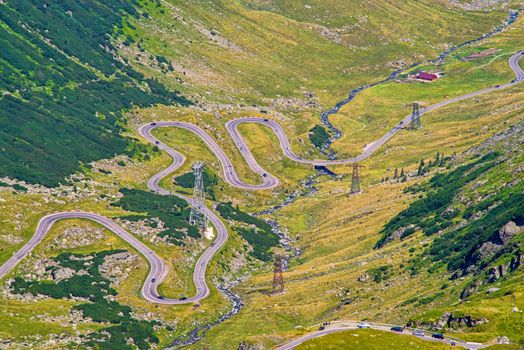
415,116
355,179
278,279
197,215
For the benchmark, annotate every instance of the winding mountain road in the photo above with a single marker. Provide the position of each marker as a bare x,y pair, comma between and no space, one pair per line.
158,270
353,325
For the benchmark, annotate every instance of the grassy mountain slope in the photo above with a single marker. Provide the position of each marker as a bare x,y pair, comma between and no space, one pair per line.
62,87
219,47
243,53
341,276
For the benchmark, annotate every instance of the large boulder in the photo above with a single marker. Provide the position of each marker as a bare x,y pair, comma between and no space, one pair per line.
508,231
62,273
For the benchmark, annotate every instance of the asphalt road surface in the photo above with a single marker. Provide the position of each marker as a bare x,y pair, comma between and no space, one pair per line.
158,269
352,325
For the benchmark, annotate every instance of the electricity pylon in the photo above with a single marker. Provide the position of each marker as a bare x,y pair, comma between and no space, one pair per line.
198,216
415,117
278,279
355,179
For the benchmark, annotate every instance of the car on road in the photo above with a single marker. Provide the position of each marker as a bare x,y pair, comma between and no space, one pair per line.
183,298
153,124
419,333
363,325
266,120
438,335
497,86
161,297
452,343
264,175
514,81
397,329
153,280
157,142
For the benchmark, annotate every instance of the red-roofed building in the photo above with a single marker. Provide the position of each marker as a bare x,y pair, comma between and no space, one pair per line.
427,76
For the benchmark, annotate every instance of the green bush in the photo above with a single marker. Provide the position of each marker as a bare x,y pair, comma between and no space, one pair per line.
173,211
261,237
318,136
210,180
261,241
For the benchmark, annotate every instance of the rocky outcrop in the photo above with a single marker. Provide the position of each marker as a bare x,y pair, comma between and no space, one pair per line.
508,231
493,274
62,273
116,267
448,320
74,237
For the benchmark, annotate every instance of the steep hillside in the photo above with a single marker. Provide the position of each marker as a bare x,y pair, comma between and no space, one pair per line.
434,239
293,48
62,85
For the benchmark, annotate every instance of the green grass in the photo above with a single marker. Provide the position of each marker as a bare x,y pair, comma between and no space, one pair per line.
369,340
171,210
59,89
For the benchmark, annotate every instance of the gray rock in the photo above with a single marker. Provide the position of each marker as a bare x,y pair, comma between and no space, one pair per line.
488,249
492,290
62,273
508,231
363,278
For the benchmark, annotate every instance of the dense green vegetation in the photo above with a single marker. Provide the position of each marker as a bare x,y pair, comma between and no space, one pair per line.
438,210
96,288
318,136
428,213
256,232
459,247
171,210
61,87
187,180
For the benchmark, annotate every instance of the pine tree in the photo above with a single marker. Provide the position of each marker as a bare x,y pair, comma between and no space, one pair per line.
421,168
402,173
396,173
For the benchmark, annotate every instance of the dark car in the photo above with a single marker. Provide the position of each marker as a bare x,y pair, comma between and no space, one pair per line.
183,298
438,336
153,280
397,329
161,297
266,120
153,124
321,328
157,142
514,81
497,86
264,175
